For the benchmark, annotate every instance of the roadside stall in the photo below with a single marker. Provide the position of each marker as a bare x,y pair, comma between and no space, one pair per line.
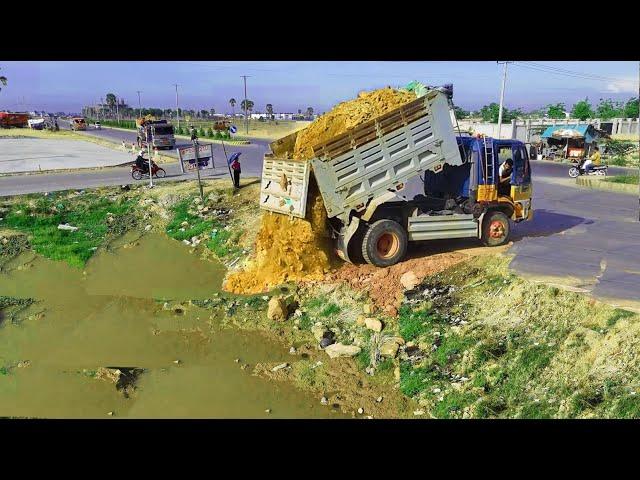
572,142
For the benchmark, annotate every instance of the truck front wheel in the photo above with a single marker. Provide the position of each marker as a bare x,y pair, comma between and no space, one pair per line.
384,243
495,229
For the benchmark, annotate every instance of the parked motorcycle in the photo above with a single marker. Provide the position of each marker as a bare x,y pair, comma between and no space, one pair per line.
577,170
137,173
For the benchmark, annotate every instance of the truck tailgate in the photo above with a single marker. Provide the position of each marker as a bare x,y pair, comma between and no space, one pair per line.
284,187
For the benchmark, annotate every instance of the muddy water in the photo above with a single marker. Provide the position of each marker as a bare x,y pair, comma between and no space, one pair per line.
111,315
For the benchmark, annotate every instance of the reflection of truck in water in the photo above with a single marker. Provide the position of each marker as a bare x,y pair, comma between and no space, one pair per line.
361,174
13,119
160,132
78,123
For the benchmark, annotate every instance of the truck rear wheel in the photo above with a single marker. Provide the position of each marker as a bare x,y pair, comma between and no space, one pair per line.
384,243
495,229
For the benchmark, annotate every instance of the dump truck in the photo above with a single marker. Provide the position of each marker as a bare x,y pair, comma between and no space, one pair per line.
13,119
361,175
77,123
160,132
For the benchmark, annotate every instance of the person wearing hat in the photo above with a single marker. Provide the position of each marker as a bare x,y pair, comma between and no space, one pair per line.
237,170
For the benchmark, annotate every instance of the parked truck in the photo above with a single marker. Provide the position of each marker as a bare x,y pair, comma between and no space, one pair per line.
159,132
362,173
14,119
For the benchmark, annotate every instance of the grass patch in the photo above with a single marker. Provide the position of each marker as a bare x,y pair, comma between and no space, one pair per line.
195,227
626,179
524,350
40,220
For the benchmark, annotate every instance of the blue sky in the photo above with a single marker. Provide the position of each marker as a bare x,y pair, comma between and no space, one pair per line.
290,86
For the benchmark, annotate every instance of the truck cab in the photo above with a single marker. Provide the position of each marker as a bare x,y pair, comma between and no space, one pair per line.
78,123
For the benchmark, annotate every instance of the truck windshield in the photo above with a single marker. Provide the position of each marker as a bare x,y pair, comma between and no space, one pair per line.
168,130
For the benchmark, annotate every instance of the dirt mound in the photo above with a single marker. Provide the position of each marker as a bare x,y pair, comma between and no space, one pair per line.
347,115
287,249
383,284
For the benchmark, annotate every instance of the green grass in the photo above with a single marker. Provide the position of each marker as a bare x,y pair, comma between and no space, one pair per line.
88,212
522,350
626,179
330,310
181,214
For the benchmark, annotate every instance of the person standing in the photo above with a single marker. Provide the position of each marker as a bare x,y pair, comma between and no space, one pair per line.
237,170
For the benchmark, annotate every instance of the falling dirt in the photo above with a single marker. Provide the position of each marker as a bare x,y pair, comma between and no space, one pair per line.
287,249
293,249
347,115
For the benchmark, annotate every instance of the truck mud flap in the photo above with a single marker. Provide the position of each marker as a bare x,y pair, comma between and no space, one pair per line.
345,236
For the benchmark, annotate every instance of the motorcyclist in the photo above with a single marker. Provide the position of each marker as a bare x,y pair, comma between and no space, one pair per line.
141,162
592,161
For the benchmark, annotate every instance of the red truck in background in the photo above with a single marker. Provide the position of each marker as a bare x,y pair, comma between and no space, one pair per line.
14,119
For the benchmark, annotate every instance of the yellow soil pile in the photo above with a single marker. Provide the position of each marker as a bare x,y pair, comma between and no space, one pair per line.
347,115
287,249
294,249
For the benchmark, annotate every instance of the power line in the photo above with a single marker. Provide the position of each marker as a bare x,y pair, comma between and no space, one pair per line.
591,75
566,74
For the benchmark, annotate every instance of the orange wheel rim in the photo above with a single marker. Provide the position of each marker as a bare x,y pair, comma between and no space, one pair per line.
496,229
388,245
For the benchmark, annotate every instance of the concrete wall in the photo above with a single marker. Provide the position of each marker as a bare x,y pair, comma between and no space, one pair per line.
530,130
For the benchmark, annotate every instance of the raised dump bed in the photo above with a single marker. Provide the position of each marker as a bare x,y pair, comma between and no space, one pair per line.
362,165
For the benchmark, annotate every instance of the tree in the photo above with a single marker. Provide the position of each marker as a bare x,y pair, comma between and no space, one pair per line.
111,101
270,111
460,113
212,112
309,113
630,108
607,109
3,81
232,102
556,110
582,110
491,113
204,113
248,106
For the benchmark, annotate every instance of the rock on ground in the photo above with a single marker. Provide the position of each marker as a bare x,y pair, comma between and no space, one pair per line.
339,350
409,280
373,324
277,309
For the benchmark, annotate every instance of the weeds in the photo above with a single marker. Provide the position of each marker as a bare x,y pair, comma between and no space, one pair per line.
90,213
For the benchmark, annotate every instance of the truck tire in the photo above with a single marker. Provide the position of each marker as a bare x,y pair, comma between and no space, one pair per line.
384,243
496,230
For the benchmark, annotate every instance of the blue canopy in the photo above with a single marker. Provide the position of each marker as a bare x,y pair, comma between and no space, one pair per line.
234,156
570,131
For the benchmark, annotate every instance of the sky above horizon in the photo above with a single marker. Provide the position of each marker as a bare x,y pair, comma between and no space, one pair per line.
289,86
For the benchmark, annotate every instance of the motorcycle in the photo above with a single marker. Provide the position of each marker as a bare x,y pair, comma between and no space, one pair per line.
137,173
577,171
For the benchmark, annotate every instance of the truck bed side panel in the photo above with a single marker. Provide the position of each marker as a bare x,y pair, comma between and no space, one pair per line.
350,180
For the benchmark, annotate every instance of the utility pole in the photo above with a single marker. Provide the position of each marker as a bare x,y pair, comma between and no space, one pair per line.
139,105
246,117
177,108
117,112
504,81
638,142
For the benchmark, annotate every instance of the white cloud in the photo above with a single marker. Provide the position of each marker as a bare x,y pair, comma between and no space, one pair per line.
628,85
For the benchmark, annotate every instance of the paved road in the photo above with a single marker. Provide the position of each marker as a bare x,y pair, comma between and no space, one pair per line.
251,157
587,238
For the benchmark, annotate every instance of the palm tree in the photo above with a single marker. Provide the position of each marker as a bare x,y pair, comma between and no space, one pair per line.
270,111
212,112
310,112
3,80
232,102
